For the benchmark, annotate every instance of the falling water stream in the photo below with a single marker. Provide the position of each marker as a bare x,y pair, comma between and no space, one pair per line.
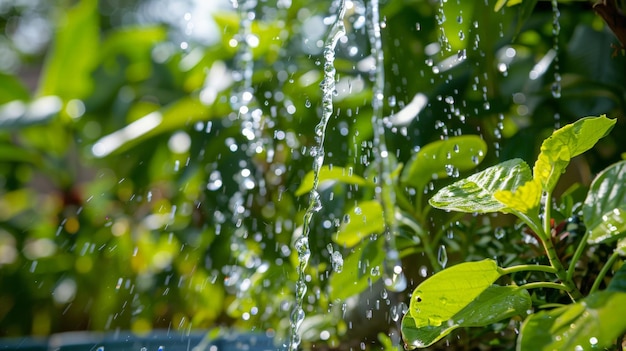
317,152
393,276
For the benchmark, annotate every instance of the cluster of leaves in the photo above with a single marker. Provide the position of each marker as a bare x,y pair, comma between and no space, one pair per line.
463,295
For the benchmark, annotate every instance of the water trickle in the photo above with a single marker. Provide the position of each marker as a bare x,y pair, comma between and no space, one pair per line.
301,245
556,85
393,275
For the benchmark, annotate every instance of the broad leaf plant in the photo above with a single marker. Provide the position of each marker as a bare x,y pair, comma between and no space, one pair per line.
466,294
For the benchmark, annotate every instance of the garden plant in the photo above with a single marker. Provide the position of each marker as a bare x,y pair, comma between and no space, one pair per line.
465,295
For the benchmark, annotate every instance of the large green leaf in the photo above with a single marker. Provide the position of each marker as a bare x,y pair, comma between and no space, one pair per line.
604,210
439,159
334,174
476,192
440,297
366,261
566,143
68,68
494,304
366,218
593,323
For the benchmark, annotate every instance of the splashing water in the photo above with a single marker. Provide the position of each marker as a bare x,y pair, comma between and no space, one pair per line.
393,276
302,243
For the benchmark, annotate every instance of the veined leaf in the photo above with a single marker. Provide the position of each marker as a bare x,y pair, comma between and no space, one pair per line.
524,199
438,159
476,192
565,144
439,298
604,210
492,305
593,323
336,174
365,219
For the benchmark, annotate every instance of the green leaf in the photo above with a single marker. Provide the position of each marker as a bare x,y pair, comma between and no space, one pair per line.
366,218
165,120
604,210
133,42
438,159
476,192
524,199
328,174
494,304
442,296
366,260
593,323
11,89
618,282
566,143
68,68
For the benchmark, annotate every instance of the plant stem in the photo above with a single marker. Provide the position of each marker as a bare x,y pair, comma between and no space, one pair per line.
551,285
543,232
528,268
561,273
579,251
604,271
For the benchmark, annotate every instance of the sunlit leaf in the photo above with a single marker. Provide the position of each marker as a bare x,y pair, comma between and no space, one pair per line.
604,210
328,174
476,192
177,115
133,42
443,295
593,323
68,68
566,143
494,304
365,219
523,199
439,159
366,261
452,9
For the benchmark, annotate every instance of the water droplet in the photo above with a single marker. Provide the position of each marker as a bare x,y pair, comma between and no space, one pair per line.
499,232
337,261
423,271
442,256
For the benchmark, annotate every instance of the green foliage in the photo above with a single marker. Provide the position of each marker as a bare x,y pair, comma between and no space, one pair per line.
442,158
593,321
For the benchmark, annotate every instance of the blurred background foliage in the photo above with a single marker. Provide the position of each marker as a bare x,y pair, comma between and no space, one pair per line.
133,197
